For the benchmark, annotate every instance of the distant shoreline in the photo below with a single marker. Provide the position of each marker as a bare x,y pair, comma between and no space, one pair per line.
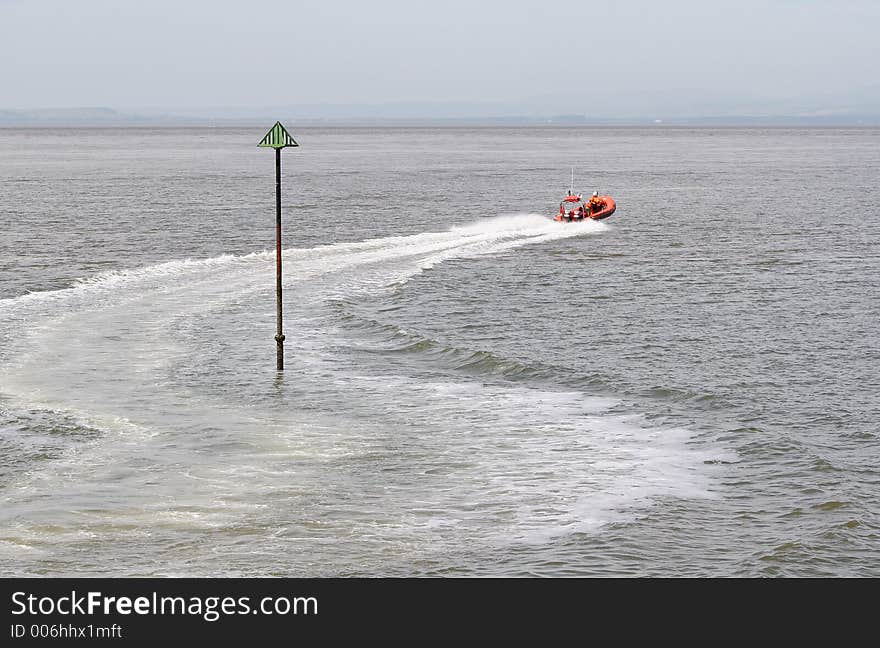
872,122
102,117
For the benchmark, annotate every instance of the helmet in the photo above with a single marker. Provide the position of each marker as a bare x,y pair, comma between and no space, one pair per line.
595,193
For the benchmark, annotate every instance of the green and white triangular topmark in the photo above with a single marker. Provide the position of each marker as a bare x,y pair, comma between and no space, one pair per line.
277,137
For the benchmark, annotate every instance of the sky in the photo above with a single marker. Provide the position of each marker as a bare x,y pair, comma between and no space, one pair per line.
595,57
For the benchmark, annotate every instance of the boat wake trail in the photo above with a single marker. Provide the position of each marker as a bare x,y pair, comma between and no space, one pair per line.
491,235
123,350
154,381
124,316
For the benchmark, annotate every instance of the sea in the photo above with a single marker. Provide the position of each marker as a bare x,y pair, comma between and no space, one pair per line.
689,388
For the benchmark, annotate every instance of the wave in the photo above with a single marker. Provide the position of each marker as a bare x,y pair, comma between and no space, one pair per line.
390,340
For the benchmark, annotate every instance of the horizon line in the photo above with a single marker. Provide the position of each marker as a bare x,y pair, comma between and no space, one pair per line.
105,116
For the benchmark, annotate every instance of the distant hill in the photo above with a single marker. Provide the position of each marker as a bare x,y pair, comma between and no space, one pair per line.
60,115
99,116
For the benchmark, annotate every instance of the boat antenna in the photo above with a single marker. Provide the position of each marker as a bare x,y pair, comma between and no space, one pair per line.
571,186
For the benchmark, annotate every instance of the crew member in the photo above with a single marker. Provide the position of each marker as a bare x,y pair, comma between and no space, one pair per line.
596,203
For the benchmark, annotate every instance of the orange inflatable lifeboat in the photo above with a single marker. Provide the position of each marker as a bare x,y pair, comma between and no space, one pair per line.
575,208
572,208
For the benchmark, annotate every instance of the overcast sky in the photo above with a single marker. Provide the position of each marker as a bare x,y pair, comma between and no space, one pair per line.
626,56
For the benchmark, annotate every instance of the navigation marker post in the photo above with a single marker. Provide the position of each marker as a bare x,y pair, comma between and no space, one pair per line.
278,138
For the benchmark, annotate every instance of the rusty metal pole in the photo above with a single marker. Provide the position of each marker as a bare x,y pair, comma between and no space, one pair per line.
279,336
278,138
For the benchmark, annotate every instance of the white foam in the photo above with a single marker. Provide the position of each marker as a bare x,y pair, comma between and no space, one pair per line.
539,462
118,321
503,231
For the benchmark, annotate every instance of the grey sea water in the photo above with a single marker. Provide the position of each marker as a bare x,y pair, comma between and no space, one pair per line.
689,388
